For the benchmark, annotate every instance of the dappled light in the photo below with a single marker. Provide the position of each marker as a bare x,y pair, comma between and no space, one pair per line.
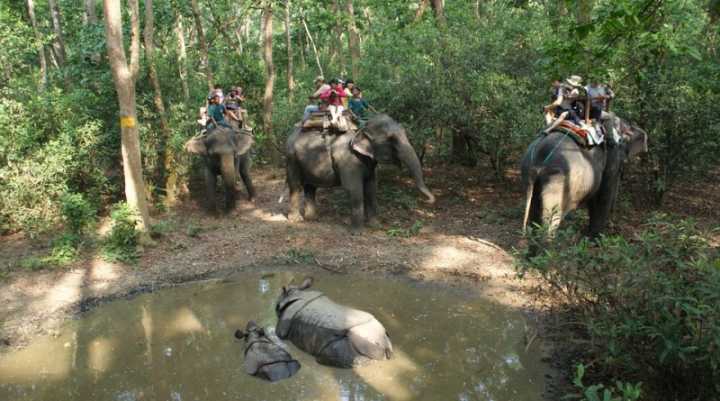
392,378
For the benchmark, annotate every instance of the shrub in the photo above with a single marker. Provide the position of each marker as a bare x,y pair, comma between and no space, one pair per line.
77,212
121,244
650,305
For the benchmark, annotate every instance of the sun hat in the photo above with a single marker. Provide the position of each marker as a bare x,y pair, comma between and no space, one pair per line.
574,80
319,78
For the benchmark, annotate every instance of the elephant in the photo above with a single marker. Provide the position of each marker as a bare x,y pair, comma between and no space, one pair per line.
265,358
334,334
349,160
559,175
226,152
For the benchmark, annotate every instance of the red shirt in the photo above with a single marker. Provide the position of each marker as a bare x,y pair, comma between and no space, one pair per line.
334,95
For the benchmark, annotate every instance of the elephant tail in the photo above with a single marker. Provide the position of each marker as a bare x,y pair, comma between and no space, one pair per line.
532,177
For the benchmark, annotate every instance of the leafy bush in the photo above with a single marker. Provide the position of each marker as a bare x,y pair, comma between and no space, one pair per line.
121,244
650,306
626,391
77,212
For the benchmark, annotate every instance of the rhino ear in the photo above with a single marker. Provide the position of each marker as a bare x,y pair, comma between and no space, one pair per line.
240,335
307,283
284,290
261,332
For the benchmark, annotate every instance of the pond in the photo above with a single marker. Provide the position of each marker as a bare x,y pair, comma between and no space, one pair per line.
177,344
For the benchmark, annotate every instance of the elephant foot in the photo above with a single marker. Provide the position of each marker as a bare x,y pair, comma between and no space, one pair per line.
251,199
310,215
373,222
295,217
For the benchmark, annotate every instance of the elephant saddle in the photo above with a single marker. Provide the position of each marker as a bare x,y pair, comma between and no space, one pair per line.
585,135
321,120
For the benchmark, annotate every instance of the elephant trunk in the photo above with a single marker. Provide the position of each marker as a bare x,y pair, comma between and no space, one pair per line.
228,172
407,156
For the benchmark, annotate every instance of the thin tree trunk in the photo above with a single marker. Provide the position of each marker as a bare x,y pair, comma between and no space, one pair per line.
439,7
124,76
302,41
204,59
290,78
90,18
477,10
421,9
59,40
336,50
583,11
312,42
41,52
353,40
222,29
166,172
182,56
267,30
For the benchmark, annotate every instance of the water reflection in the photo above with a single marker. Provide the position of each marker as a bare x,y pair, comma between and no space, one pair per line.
178,345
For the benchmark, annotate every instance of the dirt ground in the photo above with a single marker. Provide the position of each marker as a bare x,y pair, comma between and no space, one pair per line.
465,239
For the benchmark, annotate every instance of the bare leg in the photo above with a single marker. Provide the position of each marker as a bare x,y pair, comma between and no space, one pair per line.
557,122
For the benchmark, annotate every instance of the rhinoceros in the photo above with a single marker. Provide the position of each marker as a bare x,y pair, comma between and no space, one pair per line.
334,334
265,358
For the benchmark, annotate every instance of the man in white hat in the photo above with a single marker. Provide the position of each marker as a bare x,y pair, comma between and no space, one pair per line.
320,88
562,106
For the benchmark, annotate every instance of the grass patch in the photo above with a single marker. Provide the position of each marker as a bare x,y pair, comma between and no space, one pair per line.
408,232
296,257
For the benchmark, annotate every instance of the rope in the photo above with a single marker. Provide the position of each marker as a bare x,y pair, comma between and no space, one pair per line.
555,148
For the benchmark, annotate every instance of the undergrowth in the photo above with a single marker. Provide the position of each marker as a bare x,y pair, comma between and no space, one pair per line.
649,306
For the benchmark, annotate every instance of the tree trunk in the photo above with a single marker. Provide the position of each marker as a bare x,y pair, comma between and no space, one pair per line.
461,150
166,171
312,42
124,76
90,16
439,7
59,40
337,44
204,60
290,78
583,11
267,29
302,45
421,9
182,57
353,41
41,52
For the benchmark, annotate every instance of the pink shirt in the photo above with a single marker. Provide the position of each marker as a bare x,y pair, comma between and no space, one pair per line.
334,95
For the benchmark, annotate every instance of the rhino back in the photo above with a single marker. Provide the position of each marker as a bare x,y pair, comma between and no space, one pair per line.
266,359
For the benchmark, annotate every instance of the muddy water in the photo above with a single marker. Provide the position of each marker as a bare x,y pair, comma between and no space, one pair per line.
178,345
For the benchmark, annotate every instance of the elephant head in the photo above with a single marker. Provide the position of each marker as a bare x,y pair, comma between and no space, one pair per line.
265,357
384,140
634,137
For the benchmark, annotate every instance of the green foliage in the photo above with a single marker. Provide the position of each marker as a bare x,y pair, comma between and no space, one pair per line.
297,257
406,232
77,212
599,392
121,244
650,304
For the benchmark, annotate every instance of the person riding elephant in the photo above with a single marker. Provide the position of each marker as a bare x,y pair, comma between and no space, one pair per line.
348,160
559,176
226,153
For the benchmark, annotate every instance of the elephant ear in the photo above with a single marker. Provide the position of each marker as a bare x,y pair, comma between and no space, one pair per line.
362,144
196,145
637,141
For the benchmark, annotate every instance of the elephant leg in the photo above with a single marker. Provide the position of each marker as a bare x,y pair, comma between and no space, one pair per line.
310,202
552,206
229,174
354,186
601,205
294,181
243,169
370,198
210,183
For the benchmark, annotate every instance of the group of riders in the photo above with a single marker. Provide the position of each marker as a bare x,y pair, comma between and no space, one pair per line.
333,98
582,109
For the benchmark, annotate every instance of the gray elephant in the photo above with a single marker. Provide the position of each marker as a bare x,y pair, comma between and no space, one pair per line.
226,153
348,160
264,358
335,334
559,175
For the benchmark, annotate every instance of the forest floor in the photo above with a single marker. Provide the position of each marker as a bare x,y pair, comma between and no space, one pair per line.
465,239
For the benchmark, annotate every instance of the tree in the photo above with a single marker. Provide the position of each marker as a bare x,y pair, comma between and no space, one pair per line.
204,59
58,40
290,78
165,174
353,40
267,29
182,56
41,52
124,76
